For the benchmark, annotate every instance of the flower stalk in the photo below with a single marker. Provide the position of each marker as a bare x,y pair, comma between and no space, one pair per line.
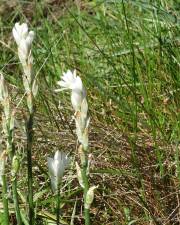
29,134
5,200
58,202
8,128
79,102
3,182
24,39
86,188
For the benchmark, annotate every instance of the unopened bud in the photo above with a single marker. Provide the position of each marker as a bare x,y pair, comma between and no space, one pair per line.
4,125
3,88
15,165
6,107
35,88
84,108
79,128
29,102
12,120
89,197
82,155
2,165
26,83
79,175
85,139
89,164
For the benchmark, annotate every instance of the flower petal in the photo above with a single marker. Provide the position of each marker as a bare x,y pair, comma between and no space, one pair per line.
76,99
30,38
24,30
16,35
63,84
50,166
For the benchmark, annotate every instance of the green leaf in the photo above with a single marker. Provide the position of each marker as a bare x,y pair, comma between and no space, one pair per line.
24,219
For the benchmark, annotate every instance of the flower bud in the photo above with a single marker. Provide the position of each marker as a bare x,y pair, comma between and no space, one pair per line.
4,125
82,155
57,166
89,197
35,88
29,102
78,128
84,109
26,84
79,175
6,106
89,164
15,165
12,120
3,88
85,139
2,165
24,39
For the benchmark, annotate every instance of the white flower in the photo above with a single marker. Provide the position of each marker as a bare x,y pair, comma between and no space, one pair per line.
57,166
20,32
74,83
24,39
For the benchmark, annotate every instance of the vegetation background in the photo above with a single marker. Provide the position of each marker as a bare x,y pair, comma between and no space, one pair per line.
127,54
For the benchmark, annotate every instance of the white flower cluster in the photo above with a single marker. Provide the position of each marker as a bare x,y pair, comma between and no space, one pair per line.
78,99
79,102
24,39
57,166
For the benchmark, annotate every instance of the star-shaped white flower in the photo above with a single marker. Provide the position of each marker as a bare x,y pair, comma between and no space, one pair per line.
74,83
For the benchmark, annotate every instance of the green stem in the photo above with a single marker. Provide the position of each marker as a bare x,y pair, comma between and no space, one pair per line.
14,181
5,200
86,188
29,133
58,200
16,202
87,216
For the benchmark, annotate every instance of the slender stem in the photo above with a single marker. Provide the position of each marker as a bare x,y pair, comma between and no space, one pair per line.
29,133
16,202
14,181
86,188
58,200
5,200
87,216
